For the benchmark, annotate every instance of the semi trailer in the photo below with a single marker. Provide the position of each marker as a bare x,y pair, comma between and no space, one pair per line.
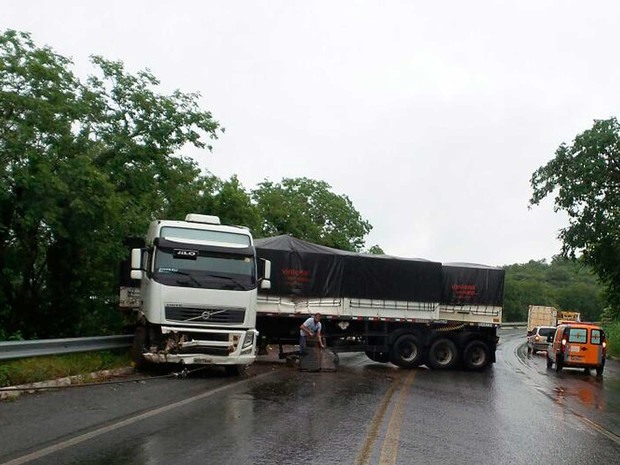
401,310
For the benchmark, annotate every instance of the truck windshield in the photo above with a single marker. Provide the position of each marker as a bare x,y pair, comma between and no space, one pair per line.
208,270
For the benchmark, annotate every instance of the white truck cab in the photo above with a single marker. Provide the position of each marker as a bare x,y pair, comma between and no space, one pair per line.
198,293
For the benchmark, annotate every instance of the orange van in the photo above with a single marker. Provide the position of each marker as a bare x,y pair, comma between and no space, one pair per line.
578,345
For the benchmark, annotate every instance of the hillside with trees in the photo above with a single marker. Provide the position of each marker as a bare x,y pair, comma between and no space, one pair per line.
565,284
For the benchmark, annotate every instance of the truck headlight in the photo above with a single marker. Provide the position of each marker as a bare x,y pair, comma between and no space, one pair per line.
249,339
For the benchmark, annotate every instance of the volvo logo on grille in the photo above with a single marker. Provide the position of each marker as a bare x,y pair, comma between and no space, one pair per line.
206,315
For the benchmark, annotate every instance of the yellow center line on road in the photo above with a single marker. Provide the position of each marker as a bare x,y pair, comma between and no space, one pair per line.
375,425
389,451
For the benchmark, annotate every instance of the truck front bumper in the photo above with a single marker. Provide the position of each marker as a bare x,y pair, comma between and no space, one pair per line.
206,347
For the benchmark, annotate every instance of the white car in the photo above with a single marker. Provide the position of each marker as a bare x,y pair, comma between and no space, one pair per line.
537,338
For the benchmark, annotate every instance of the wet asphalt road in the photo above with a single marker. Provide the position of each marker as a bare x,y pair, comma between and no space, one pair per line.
518,412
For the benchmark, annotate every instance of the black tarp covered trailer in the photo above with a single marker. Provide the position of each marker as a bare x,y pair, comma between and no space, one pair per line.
472,284
303,269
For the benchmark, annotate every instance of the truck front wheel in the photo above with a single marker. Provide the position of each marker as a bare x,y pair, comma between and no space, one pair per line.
235,370
137,349
476,355
443,354
407,352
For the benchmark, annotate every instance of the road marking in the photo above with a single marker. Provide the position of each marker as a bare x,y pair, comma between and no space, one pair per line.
520,354
121,424
375,425
595,426
389,451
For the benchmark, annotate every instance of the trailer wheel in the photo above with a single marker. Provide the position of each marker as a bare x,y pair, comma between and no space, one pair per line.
443,354
407,352
381,357
476,355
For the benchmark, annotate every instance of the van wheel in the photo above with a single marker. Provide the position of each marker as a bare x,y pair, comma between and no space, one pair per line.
599,369
549,362
558,363
381,357
476,355
407,352
443,354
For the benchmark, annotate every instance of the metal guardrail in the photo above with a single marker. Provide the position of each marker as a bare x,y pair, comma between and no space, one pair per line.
10,350
514,325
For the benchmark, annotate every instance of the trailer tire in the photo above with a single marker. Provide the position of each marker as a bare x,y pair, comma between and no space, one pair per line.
381,357
407,352
476,355
443,354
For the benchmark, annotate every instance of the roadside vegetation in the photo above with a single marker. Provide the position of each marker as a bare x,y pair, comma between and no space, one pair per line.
32,370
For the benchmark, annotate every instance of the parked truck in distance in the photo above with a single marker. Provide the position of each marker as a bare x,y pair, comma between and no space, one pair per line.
405,311
540,315
198,289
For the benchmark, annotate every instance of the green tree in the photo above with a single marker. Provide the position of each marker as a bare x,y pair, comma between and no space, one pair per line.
83,166
584,179
233,204
376,250
309,210
564,283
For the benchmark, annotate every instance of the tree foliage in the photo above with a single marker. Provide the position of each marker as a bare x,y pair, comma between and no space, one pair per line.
584,179
309,210
564,283
83,165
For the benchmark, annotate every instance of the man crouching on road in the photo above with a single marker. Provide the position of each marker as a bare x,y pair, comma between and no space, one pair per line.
310,328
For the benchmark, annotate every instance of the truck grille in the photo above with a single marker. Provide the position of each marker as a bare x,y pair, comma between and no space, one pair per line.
205,315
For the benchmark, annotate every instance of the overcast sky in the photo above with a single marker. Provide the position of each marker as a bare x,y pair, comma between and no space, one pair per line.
430,116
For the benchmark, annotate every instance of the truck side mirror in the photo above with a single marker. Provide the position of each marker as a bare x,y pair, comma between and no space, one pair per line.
265,283
267,272
136,264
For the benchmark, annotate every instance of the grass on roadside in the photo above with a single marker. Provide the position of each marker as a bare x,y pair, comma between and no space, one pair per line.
31,370
613,338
